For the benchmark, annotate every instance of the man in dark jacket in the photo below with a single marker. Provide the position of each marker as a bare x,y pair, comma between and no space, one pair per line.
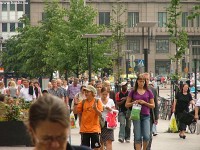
124,114
154,113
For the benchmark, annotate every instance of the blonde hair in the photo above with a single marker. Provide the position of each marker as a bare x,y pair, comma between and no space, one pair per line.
1,84
106,83
12,84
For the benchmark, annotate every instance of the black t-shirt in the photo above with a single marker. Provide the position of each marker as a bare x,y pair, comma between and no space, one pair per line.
122,107
183,102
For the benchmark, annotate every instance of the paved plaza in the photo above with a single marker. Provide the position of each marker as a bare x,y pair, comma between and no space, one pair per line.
163,141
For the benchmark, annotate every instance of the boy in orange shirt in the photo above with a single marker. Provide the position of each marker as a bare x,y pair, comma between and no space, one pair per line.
91,110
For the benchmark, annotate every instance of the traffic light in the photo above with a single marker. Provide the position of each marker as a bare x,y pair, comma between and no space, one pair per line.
128,66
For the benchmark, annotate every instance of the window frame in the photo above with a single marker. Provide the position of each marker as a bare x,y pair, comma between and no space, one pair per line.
163,17
134,45
185,21
160,44
3,27
133,19
106,18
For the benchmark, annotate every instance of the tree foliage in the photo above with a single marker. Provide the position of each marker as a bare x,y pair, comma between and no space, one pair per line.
177,36
118,35
56,43
195,12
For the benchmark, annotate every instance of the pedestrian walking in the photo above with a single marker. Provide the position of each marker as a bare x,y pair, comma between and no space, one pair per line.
181,104
27,92
154,112
98,87
107,135
37,88
73,89
78,98
124,114
12,90
141,95
91,110
49,124
111,94
55,90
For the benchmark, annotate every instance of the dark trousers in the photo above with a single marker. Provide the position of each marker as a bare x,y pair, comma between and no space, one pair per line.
181,126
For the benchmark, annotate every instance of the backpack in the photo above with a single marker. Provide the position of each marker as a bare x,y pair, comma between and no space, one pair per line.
101,119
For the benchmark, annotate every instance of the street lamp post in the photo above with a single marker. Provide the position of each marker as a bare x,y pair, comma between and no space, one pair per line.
146,24
89,52
195,76
1,41
127,62
195,58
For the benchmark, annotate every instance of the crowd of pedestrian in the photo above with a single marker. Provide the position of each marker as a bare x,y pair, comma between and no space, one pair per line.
89,102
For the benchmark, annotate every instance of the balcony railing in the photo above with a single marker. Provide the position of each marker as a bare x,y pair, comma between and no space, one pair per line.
156,30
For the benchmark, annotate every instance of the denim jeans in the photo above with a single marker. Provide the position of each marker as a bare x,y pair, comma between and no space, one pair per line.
142,129
125,126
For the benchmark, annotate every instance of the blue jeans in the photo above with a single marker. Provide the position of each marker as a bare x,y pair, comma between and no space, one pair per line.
125,126
142,129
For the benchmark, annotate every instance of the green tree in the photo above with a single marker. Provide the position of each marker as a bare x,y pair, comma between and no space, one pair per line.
118,35
178,37
56,43
195,12
80,22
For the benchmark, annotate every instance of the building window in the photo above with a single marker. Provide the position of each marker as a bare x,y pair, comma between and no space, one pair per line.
4,27
162,19
3,46
12,7
133,19
12,27
197,21
162,46
19,7
196,50
4,7
104,18
162,67
184,19
44,16
20,25
133,45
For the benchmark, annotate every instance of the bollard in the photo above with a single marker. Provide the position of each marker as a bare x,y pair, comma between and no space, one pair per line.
158,90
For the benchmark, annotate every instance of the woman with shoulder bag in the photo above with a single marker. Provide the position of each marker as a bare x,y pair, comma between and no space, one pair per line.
142,97
181,105
107,135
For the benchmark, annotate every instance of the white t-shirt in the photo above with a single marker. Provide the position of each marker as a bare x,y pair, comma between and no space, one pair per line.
110,104
24,94
198,102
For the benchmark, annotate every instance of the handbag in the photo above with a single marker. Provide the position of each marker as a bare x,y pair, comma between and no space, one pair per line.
172,124
186,118
111,119
135,112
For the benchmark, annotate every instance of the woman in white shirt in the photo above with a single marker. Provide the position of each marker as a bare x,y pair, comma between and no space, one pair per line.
2,88
107,135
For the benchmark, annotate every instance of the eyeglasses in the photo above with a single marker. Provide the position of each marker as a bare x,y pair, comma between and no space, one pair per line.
49,139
